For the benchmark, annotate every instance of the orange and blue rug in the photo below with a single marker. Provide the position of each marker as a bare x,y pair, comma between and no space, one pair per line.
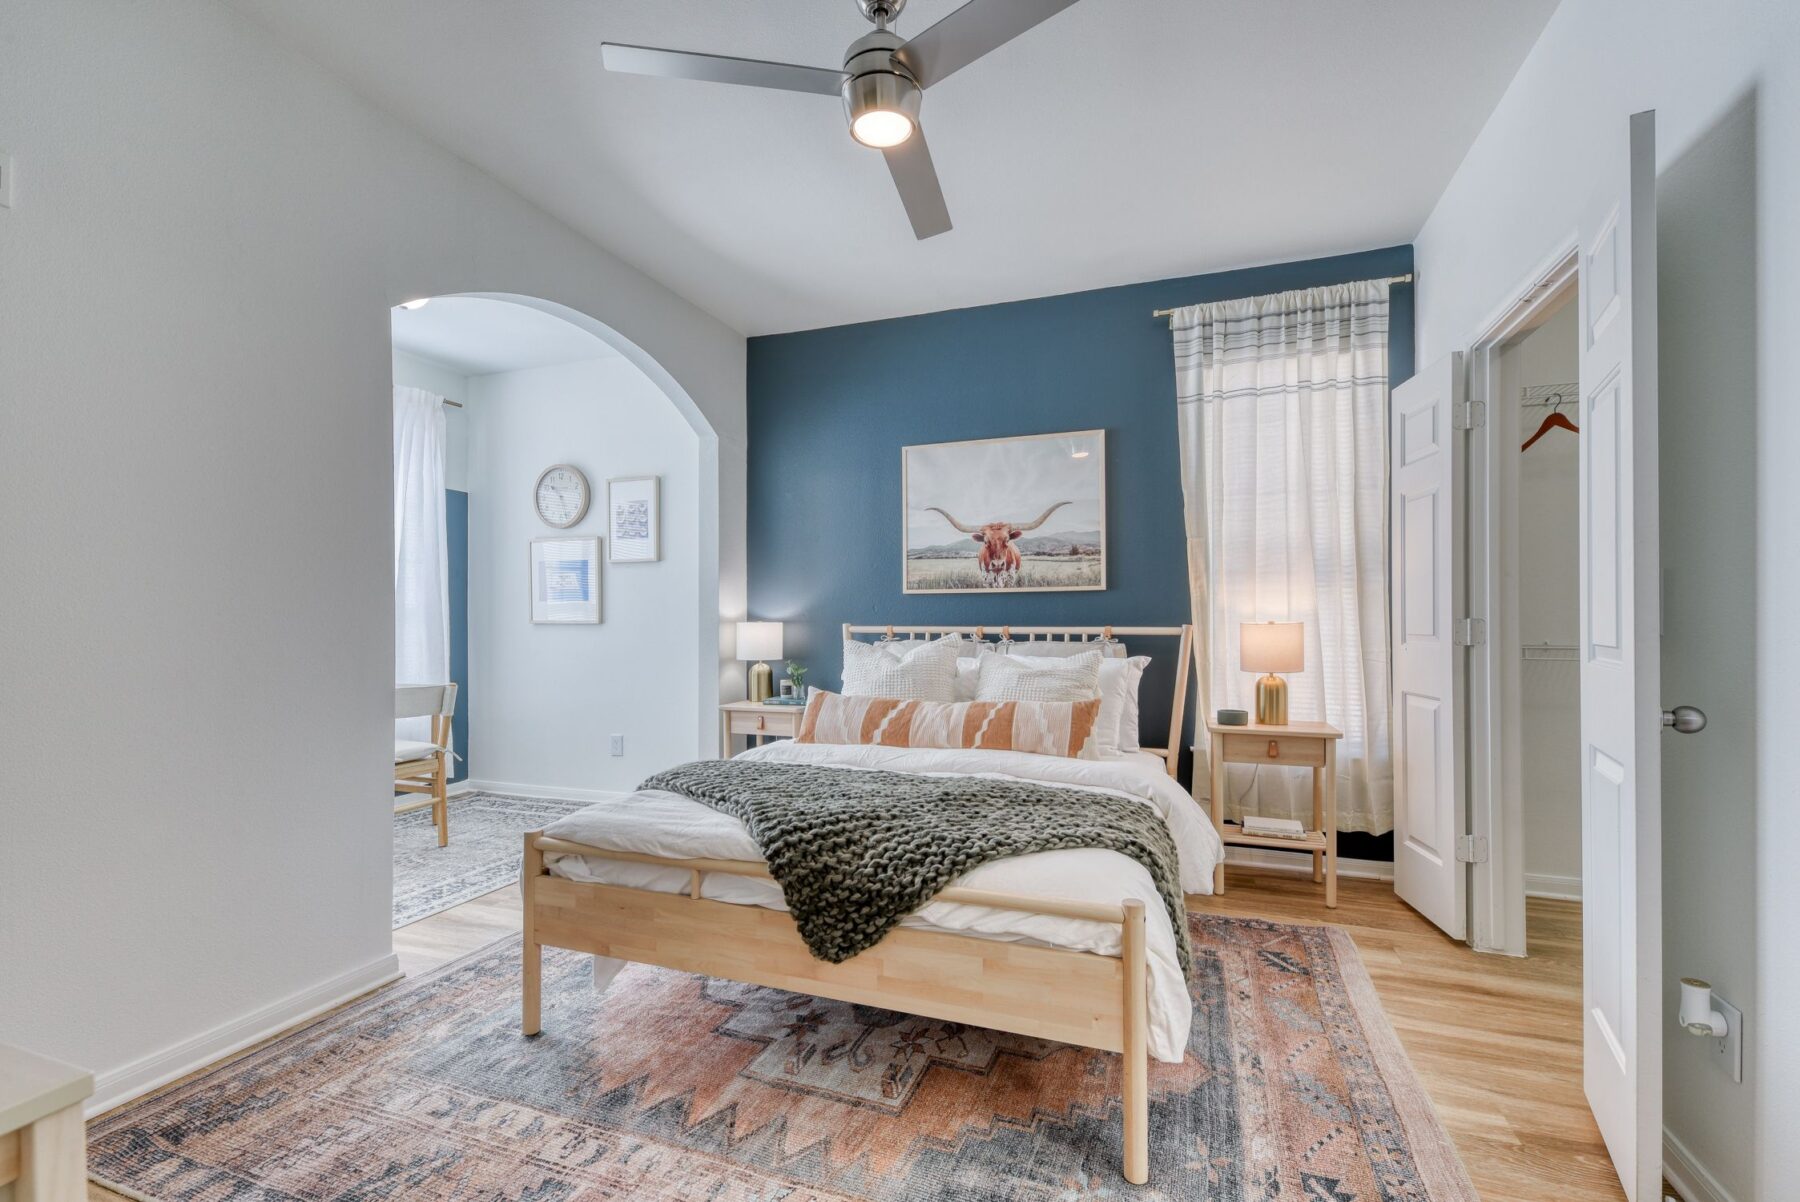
673,1086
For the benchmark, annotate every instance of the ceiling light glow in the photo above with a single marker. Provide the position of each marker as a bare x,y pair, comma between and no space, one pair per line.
418,303
882,128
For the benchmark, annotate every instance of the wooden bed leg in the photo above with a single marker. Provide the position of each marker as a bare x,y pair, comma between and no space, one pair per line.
1137,1067
531,951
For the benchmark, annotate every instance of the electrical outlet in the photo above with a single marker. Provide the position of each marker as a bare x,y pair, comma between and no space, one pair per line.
6,180
1730,1050
618,744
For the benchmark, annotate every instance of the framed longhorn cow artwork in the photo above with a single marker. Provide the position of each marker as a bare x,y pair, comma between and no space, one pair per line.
1024,514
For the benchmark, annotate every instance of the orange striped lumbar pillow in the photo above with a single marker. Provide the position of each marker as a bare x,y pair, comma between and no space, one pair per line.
1062,728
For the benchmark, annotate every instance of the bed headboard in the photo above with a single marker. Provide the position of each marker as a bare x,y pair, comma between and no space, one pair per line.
1021,637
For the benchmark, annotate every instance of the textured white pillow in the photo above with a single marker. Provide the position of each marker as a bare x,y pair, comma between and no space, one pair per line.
925,673
1116,729
1034,678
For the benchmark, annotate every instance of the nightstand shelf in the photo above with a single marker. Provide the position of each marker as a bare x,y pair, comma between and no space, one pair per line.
756,722
1297,745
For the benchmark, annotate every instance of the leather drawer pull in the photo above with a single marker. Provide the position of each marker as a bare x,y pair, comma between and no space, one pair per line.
1274,750
762,723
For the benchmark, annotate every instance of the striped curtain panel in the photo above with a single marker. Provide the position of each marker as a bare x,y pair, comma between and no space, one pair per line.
1282,403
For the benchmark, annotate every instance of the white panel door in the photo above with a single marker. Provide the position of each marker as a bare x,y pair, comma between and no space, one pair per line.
1621,709
1429,460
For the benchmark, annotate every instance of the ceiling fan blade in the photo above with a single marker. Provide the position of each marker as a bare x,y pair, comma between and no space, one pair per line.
910,165
719,68
970,32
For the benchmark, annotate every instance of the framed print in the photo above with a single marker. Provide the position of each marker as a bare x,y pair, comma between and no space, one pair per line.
1026,514
565,580
634,515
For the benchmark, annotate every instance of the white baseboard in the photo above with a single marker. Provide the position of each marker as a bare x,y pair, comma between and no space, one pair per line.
158,1069
1538,884
461,788
1688,1175
1273,860
550,792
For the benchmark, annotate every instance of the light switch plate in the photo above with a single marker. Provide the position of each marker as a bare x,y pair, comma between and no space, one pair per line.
618,744
1730,1050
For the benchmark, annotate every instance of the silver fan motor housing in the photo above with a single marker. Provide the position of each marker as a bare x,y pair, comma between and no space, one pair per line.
875,79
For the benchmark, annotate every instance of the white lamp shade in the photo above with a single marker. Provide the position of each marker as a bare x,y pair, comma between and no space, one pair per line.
1272,646
759,640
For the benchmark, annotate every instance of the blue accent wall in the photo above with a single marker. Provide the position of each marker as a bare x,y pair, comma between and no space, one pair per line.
456,526
830,409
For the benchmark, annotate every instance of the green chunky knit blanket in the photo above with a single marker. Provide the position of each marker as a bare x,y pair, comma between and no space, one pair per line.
856,851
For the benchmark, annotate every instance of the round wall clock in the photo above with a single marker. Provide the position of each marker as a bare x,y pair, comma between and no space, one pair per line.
562,495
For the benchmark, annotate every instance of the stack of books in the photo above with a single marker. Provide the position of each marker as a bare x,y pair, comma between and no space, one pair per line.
1273,828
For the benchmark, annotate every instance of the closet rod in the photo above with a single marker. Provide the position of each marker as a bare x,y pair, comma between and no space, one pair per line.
1392,279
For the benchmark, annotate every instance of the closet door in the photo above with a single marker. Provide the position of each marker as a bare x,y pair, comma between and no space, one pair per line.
1429,459
1621,709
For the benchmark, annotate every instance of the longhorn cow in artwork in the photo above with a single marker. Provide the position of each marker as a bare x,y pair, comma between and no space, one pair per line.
999,558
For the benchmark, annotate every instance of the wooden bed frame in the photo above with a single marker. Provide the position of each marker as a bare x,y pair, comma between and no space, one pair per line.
1074,997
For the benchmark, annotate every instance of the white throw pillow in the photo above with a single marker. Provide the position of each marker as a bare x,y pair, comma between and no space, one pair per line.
1032,678
925,673
1116,729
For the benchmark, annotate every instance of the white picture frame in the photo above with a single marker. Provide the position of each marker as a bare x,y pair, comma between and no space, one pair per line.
966,507
565,580
634,518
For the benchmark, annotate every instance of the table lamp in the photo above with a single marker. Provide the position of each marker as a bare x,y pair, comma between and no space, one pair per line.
1271,647
759,641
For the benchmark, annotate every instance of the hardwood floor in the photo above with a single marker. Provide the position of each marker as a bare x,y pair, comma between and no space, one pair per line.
1496,1041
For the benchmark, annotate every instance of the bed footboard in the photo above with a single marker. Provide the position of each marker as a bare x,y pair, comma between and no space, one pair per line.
1049,993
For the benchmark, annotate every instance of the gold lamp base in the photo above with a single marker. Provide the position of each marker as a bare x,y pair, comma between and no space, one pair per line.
1271,701
762,683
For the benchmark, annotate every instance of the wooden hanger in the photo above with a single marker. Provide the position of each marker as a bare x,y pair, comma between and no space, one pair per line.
1556,421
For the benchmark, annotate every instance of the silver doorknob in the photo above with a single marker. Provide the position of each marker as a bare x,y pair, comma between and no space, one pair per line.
1686,719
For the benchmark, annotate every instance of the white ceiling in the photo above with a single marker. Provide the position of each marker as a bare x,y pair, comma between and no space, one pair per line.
477,337
1122,140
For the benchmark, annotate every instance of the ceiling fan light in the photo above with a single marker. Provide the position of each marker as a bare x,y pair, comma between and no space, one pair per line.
882,128
883,104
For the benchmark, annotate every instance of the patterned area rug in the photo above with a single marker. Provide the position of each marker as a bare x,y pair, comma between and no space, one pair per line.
683,1087
486,838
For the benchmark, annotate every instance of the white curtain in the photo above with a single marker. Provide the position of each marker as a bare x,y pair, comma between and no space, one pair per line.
1282,404
421,549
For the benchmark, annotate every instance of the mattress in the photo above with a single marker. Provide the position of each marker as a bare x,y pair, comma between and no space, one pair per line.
658,823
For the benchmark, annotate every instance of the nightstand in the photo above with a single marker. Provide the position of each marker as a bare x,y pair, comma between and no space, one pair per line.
757,721
1298,744
43,1140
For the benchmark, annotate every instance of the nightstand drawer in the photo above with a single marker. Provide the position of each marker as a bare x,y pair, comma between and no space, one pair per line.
1297,750
778,722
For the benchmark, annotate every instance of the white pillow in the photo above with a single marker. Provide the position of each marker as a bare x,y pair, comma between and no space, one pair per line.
1035,678
925,673
1116,727
1127,676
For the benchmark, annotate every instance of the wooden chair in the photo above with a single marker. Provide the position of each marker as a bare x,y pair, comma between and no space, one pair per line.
425,767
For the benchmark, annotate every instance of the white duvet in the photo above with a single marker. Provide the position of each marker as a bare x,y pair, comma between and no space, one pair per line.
658,823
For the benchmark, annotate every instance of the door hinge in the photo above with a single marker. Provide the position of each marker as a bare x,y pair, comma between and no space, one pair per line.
1470,415
1471,849
1471,632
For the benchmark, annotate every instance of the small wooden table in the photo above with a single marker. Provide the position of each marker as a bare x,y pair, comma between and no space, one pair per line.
1299,744
43,1138
757,721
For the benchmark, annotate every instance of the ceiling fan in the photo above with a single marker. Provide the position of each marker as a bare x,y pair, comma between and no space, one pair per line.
880,82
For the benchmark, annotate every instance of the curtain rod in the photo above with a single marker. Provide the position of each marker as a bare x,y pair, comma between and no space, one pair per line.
1392,279
448,401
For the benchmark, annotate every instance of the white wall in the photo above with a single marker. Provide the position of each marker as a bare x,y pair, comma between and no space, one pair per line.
1548,599
196,653
1725,81
546,698
414,371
